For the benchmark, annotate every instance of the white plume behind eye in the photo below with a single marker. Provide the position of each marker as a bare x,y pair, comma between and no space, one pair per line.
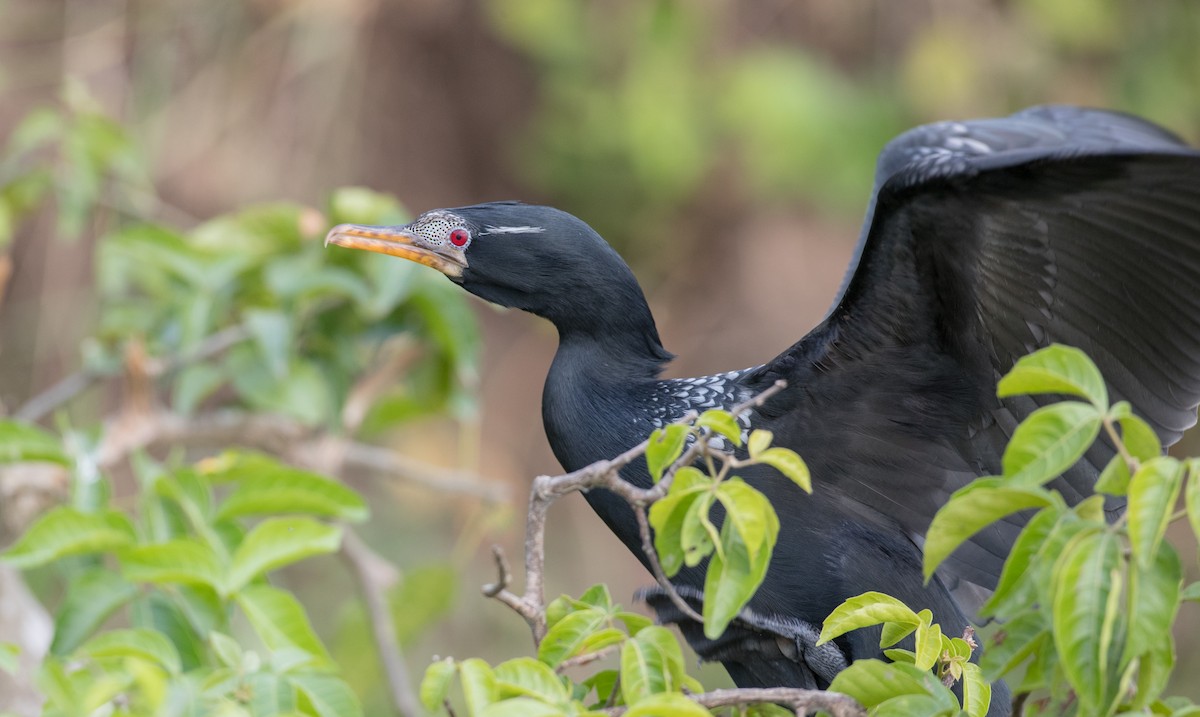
512,230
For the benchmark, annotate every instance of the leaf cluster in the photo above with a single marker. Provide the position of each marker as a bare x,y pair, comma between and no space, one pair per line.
182,572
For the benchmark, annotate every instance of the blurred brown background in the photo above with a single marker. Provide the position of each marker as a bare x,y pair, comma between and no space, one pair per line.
724,146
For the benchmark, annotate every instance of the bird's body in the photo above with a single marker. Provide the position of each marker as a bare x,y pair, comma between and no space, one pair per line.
984,240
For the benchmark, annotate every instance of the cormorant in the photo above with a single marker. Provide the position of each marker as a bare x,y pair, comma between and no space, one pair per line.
984,240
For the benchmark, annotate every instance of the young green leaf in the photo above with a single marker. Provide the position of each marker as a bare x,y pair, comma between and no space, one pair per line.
722,423
570,634
664,448
139,642
977,691
1114,479
1014,578
668,515
23,442
972,509
1191,498
280,620
64,531
790,464
1056,369
527,677
760,439
435,685
1139,438
1153,600
1083,613
928,646
227,649
697,534
276,542
522,707
667,704
870,608
737,568
1153,492
874,682
1191,593
1049,441
597,596
651,662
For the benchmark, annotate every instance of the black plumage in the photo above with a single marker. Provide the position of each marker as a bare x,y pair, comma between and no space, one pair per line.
984,241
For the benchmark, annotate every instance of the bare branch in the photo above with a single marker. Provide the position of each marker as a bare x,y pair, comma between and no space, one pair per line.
375,577
656,567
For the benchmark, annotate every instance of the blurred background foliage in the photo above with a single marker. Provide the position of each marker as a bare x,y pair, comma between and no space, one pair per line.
722,145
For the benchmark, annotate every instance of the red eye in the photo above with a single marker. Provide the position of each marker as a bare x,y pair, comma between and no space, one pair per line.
459,237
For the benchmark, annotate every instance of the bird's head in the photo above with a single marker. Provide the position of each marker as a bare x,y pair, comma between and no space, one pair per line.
535,258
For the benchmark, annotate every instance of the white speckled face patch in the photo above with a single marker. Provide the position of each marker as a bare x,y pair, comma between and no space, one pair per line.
435,227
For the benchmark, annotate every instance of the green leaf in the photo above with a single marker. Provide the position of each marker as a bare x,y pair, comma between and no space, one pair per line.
1191,498
184,560
227,649
264,486
664,448
894,632
478,684
194,384
64,531
736,570
651,662
139,642
1191,593
1014,641
789,463
1114,479
928,646
668,515
1056,369
10,655
1139,438
874,682
276,542
870,608
1153,492
329,696
722,423
424,595
1086,577
1049,441
972,509
977,691
280,620
569,635
669,704
698,535
597,596
1153,600
23,442
435,686
527,677
92,596
272,332
760,440
1014,578
270,694
521,707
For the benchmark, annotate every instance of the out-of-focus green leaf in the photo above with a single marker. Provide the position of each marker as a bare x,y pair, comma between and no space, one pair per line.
760,439
280,620
9,657
183,560
424,595
1153,600
194,384
360,205
1014,641
264,486
1049,441
273,332
478,684
435,685
23,442
276,542
92,596
328,696
139,642
64,531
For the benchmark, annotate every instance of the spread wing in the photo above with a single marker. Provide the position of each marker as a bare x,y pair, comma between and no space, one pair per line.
985,241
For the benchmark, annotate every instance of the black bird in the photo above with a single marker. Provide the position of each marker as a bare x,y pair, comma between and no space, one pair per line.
984,240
